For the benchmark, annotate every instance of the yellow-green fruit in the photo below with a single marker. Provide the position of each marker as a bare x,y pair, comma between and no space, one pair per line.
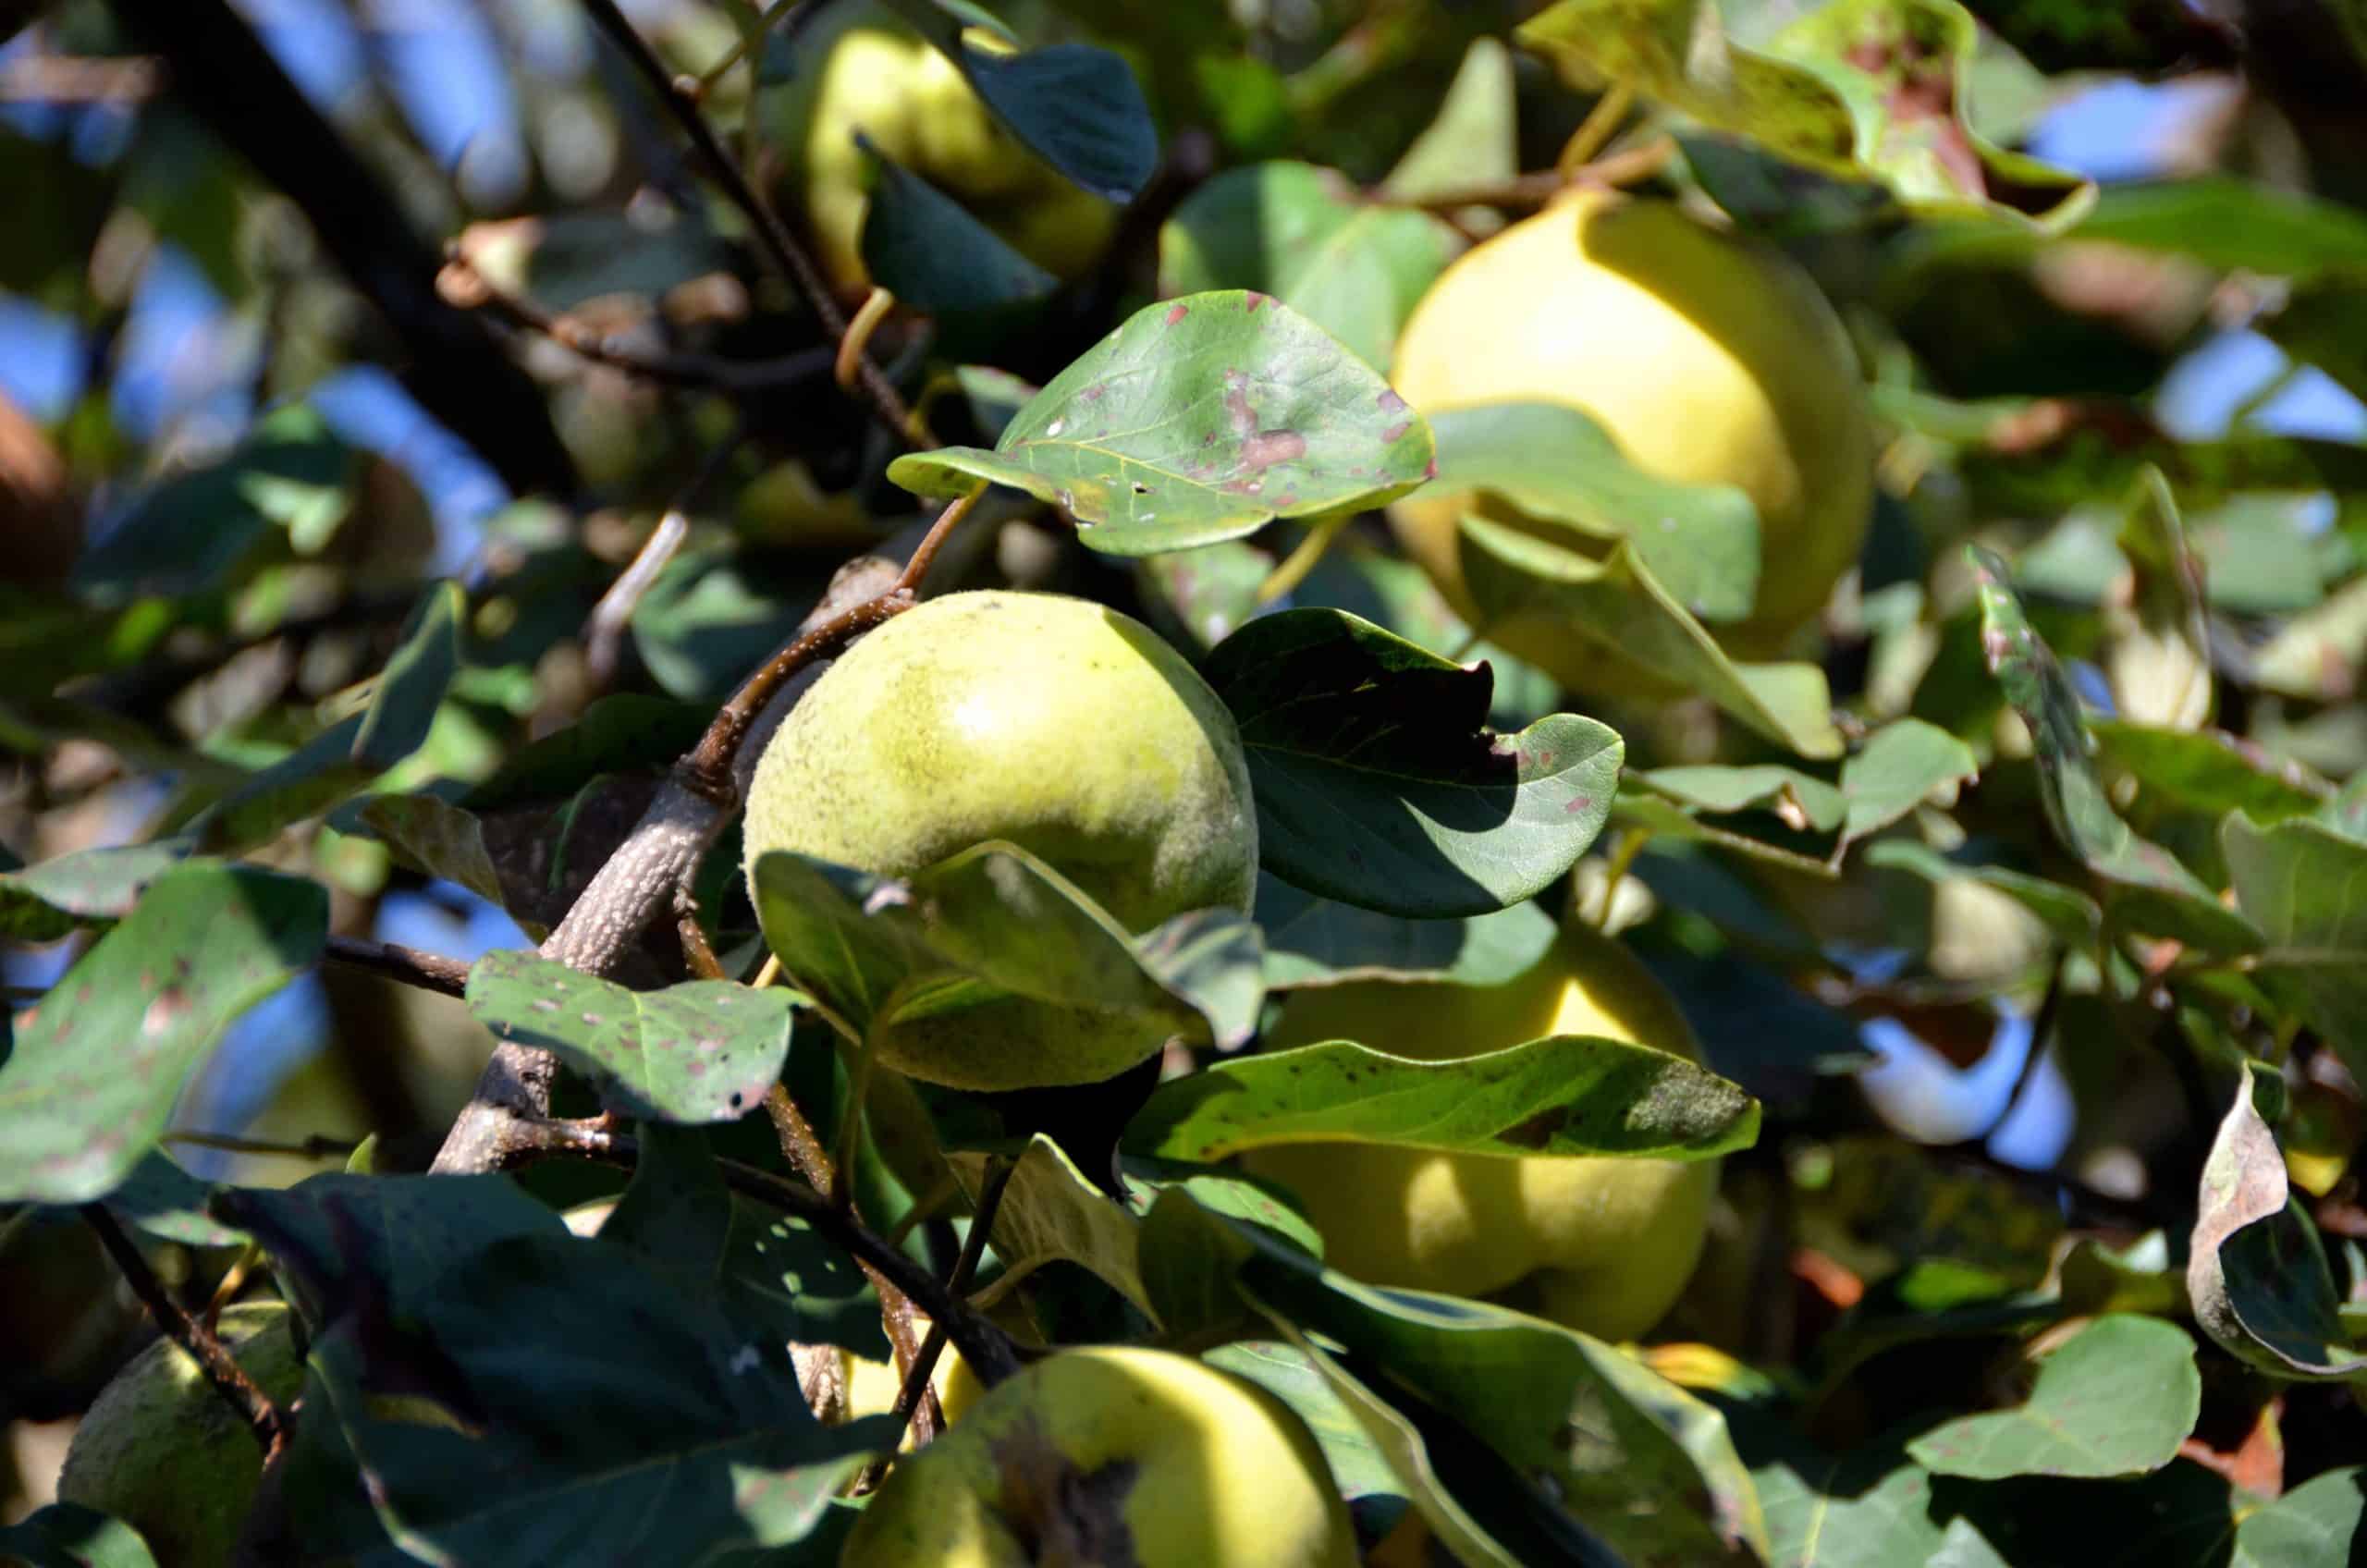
1054,723
1600,1245
872,1386
161,1451
1706,359
1113,1455
860,70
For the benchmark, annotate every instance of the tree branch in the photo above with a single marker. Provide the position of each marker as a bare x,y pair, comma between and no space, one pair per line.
457,371
774,241
222,1371
429,972
663,851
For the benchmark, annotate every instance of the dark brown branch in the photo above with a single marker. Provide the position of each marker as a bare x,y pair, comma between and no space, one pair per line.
429,972
464,286
648,870
457,371
916,1395
221,1369
774,241
986,1347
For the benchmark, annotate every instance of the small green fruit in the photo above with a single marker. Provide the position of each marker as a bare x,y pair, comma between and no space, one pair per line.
1060,726
1112,1454
161,1451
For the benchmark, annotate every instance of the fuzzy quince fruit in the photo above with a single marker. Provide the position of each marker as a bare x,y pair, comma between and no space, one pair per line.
1053,723
1602,1245
862,71
1112,1454
160,1450
1707,360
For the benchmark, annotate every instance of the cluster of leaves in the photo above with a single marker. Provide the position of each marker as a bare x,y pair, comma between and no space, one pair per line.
2067,766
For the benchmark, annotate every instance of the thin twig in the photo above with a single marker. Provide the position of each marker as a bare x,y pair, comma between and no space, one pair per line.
222,1371
802,1148
603,628
774,240
917,1393
710,762
986,1347
80,79
429,972
315,1146
462,284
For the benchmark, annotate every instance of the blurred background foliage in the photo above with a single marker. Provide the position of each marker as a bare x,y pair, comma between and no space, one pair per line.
271,358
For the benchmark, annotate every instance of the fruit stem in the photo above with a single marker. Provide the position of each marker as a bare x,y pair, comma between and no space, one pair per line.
1595,130
1301,560
222,1373
1622,857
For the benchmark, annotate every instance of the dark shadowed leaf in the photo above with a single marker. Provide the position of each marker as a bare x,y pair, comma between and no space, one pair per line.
1616,602
1864,90
167,1201
1551,462
1305,235
1316,941
1871,1508
2152,891
99,1062
67,1535
1196,421
2116,1400
1378,783
705,1051
617,734
1569,1094
1215,960
925,248
1077,107
2257,1273
430,834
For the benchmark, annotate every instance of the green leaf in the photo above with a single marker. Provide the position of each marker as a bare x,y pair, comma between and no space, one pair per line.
923,247
100,1061
1578,1433
164,1200
1075,107
187,533
2116,1400
1194,421
1868,1509
2317,1525
1472,140
705,1051
2208,770
1316,941
1553,463
988,925
1664,819
1901,766
1307,236
624,733
2256,1271
1567,1094
676,1211
1356,1462
1618,604
2325,324
2069,913
2305,885
41,903
1805,803
1378,783
2151,891
1859,90
704,1429
67,1535
1215,960
2219,220
430,834
1050,1213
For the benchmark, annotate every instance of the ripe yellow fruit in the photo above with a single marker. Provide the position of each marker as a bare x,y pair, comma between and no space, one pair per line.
860,69
1112,1454
872,1386
1054,723
1707,360
161,1451
1600,1245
